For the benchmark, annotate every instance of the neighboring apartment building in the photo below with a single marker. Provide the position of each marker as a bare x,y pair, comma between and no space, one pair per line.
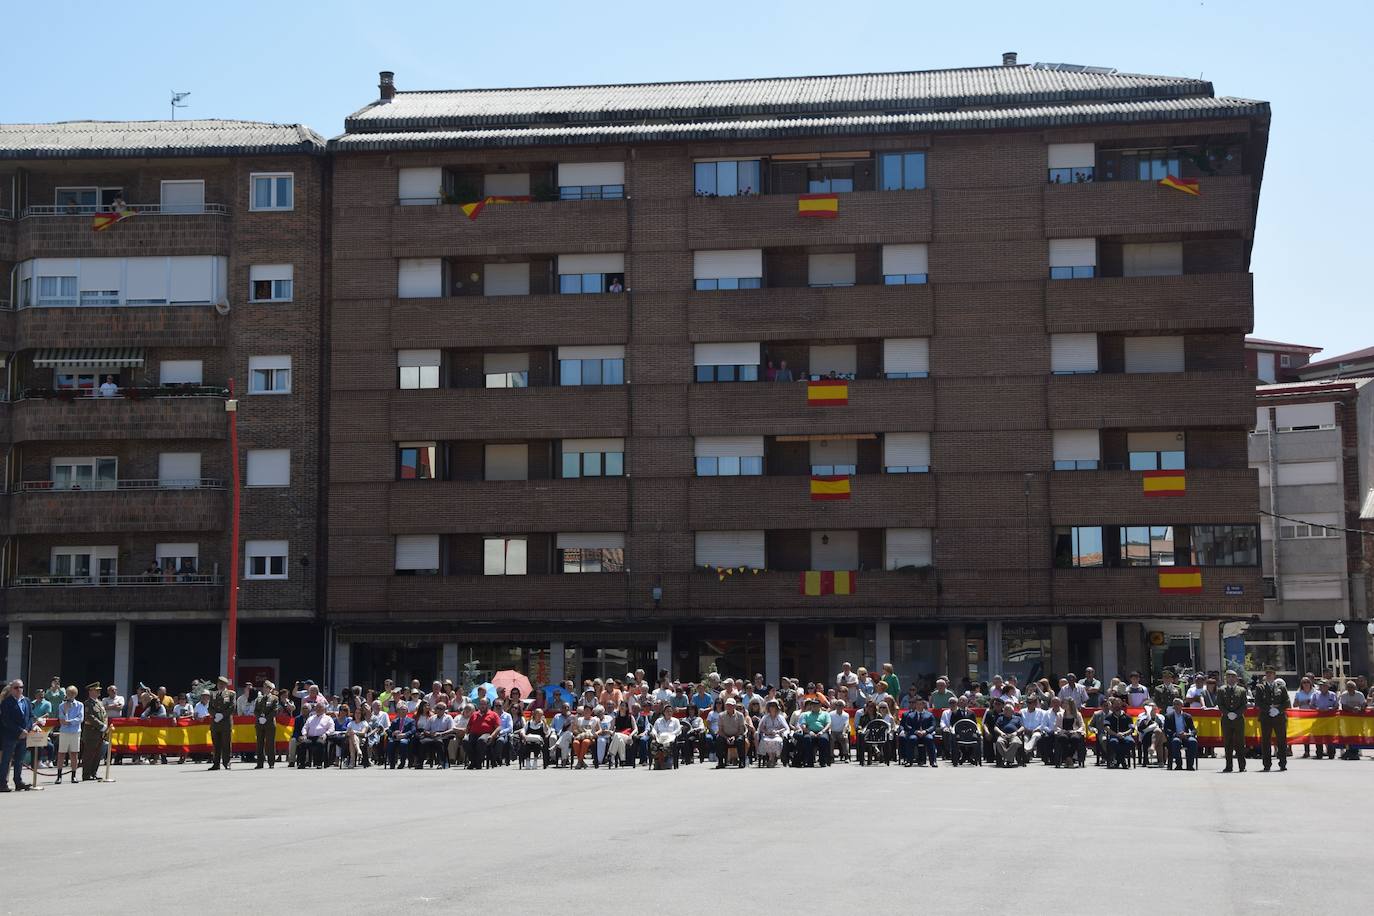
556,440
1312,448
1273,361
214,275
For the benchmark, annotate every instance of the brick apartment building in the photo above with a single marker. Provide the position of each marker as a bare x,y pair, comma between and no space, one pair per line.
555,438
215,277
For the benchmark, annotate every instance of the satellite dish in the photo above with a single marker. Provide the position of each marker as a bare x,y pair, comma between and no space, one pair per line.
222,307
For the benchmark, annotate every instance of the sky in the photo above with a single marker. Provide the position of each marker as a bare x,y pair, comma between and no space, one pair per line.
315,63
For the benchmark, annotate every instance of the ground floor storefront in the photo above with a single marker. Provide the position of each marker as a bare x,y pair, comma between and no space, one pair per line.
1302,647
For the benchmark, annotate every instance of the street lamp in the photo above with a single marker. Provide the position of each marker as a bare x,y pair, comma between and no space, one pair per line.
1339,628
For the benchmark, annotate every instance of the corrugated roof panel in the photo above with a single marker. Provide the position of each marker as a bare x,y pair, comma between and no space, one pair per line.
77,139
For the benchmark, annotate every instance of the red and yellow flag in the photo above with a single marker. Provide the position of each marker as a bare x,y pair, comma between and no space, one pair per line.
829,486
827,392
1180,580
474,210
819,206
102,221
817,582
1164,483
1186,185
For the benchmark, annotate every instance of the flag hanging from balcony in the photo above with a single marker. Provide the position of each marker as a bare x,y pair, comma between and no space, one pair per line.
816,582
1186,185
474,210
102,221
1180,580
829,486
827,392
819,206
1164,483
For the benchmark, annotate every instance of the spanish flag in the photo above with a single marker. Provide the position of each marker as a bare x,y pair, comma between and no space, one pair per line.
829,486
1180,580
815,583
827,392
819,206
1186,185
102,221
1165,483
474,210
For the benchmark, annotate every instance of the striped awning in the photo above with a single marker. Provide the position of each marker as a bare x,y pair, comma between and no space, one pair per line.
90,357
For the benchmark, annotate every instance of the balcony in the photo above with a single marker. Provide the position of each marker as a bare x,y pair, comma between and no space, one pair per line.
747,503
1098,208
120,326
134,506
771,220
60,231
479,597
554,412
44,416
1193,302
745,594
7,320
1117,498
202,595
1133,593
780,408
508,321
837,312
1152,400
586,504
7,234
440,230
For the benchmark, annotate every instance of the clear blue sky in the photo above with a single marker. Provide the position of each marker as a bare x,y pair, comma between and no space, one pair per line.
316,62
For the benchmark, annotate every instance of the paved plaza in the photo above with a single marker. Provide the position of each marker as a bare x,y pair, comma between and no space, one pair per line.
696,841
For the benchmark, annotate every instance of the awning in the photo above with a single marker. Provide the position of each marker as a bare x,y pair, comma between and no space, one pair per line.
90,357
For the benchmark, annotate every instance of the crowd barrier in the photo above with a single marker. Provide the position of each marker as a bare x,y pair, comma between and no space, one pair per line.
187,736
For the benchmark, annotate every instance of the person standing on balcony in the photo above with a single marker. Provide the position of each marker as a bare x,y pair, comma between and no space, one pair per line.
109,389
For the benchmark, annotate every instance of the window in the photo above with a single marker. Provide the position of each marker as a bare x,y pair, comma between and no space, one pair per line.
729,283
67,378
1077,450
1156,451
504,556
269,375
86,200
419,278
1071,163
733,373
183,559
91,565
833,457
1149,164
591,365
56,291
830,179
417,187
906,453
1311,526
728,178
1292,418
1078,547
417,555
579,274
1155,259
183,196
418,368
1073,259
1154,354
593,458
100,297
270,283
416,461
729,466
178,470
728,269
726,362
85,473
269,467
906,357
1146,545
905,264
907,547
265,559
272,191
830,270
902,171
1225,545
181,371
591,181
730,548
1285,360
591,552
506,370
506,461
1073,354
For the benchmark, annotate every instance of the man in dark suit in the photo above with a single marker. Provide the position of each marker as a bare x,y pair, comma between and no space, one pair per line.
16,721
1182,737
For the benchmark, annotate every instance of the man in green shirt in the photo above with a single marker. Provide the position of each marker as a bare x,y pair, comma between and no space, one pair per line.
814,741
941,697
56,694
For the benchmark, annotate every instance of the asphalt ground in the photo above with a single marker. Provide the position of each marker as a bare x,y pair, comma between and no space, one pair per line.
179,839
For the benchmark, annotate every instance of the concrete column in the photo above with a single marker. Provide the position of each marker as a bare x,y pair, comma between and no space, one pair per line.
123,653
14,655
882,645
557,651
223,650
1109,666
994,649
956,651
1133,641
448,665
772,652
1059,650
343,655
665,655
1211,646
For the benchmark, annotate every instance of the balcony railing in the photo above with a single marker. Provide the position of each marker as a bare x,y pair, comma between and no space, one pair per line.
105,486
99,581
131,393
141,209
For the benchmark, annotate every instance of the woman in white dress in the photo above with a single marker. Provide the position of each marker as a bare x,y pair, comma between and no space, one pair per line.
773,730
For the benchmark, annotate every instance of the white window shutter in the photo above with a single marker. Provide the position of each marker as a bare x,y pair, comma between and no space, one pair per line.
495,363
906,450
269,467
1072,155
730,548
726,354
1073,252
604,351
906,547
1073,352
417,551
910,354
1294,416
717,265
420,278
178,469
905,259
590,173
419,186
1154,354
830,269
841,359
591,264
728,447
1077,445
181,371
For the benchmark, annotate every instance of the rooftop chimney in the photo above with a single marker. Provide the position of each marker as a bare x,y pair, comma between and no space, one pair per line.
387,85
1008,60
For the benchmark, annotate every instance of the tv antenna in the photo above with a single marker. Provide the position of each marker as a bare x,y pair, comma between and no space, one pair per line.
177,102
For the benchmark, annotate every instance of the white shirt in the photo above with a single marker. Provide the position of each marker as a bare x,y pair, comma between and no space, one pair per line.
1075,692
318,725
663,695
1137,694
108,389
1037,719
667,725
202,711
839,722
850,680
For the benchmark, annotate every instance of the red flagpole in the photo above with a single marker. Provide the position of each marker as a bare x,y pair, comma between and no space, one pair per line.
231,655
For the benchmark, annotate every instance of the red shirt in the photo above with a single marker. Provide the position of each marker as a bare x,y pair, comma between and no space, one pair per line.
484,723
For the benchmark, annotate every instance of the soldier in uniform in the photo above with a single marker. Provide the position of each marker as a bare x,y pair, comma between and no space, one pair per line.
222,705
265,710
1271,700
95,727
1232,700
1164,694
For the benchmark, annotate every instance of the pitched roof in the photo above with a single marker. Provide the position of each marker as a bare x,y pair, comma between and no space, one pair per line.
1359,356
1259,343
122,139
924,90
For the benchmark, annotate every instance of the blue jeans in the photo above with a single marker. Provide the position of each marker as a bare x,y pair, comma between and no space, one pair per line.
12,757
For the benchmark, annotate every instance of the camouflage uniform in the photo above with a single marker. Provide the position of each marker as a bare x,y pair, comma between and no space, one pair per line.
1232,702
266,706
94,727
1271,700
222,705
